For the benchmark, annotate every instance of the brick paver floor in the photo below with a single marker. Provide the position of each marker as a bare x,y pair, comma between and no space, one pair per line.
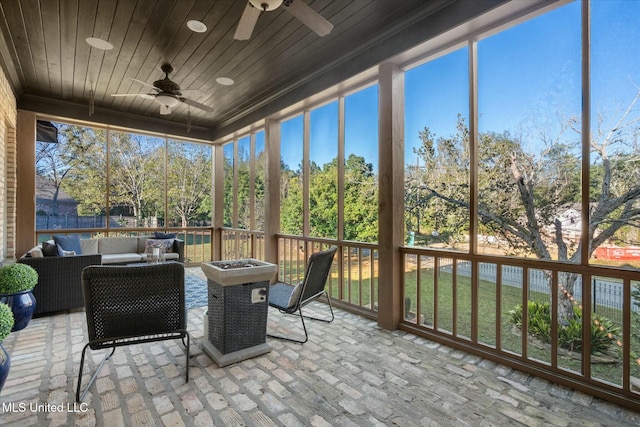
350,373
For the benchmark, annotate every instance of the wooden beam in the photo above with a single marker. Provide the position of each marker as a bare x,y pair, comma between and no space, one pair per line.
69,110
391,194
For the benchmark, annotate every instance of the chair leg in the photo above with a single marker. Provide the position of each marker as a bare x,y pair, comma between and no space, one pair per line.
304,327
95,374
319,318
188,345
302,317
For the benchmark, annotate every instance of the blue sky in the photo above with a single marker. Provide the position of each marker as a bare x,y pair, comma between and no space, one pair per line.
529,78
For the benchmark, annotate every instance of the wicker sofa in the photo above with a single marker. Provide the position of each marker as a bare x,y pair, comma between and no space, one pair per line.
59,277
127,250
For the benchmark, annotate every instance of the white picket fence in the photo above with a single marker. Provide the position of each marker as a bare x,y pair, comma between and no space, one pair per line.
606,292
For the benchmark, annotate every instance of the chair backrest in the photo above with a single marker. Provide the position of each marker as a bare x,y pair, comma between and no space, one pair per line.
132,301
315,278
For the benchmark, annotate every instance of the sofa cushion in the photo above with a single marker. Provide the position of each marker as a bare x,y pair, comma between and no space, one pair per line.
89,246
68,243
121,258
117,245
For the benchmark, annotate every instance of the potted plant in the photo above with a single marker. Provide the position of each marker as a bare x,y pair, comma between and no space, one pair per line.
6,324
16,283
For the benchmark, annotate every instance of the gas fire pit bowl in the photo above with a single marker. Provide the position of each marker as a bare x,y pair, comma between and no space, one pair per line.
238,271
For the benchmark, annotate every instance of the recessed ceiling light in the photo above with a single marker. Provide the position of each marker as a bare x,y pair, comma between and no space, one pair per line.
196,26
225,81
99,43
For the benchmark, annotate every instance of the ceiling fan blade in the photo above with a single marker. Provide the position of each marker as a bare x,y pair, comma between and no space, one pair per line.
309,17
128,94
142,82
247,22
197,105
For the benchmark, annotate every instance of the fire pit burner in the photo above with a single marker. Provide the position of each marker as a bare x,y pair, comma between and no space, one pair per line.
234,264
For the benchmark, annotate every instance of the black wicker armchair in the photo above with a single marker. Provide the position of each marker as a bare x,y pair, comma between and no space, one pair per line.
131,305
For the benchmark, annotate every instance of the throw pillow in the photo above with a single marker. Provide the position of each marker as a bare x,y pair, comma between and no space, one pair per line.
49,249
69,243
35,252
161,235
62,252
295,294
167,244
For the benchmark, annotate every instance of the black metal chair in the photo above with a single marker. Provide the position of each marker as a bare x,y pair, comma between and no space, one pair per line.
131,305
290,299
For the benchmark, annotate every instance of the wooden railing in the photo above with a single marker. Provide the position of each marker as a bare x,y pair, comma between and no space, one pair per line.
465,301
238,244
197,240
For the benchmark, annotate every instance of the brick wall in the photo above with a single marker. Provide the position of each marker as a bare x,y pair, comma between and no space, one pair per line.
8,117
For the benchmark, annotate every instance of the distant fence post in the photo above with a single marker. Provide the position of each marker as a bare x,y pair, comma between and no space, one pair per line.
594,290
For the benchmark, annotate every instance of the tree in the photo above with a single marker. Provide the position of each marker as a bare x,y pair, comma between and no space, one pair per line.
323,199
440,208
291,220
137,175
77,165
360,200
243,191
228,188
521,194
189,181
360,211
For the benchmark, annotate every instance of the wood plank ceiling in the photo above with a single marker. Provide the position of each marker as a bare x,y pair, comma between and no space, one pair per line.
52,69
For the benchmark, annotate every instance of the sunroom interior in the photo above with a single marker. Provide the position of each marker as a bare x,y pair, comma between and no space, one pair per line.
468,158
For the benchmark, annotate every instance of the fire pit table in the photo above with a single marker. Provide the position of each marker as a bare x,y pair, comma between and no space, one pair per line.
238,292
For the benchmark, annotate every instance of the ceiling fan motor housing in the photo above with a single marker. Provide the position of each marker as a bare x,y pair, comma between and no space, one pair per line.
166,85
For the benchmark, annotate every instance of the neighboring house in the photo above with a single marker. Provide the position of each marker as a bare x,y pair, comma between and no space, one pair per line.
45,194
572,227
571,223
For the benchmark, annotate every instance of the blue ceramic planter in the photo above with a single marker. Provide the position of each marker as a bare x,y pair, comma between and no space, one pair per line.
5,364
23,305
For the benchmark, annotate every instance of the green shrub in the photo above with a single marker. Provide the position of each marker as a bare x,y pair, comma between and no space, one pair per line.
16,278
6,321
603,331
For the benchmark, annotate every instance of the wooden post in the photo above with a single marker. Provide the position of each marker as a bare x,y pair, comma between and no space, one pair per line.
272,196
391,194
26,182
218,201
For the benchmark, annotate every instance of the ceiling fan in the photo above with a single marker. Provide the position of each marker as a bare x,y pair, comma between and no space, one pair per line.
297,8
166,92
